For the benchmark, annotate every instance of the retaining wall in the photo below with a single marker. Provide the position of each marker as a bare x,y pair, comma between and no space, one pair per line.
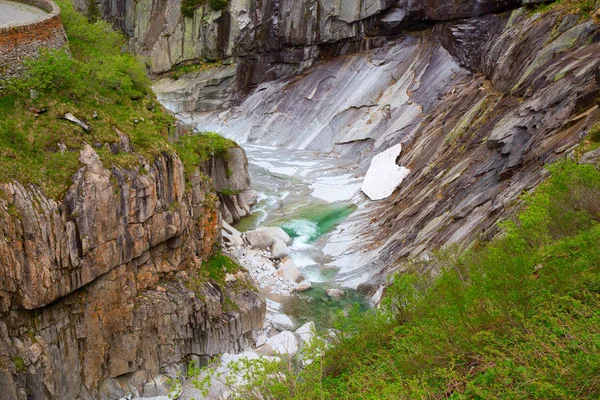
21,42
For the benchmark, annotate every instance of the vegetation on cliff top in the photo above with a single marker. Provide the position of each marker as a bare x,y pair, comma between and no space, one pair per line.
518,317
188,7
98,83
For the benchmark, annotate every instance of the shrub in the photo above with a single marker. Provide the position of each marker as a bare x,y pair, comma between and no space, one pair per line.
189,6
96,82
513,318
194,149
218,4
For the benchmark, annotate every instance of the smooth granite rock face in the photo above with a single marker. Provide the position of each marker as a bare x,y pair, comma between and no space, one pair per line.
95,290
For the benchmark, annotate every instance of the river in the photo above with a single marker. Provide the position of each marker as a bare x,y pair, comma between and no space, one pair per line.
308,194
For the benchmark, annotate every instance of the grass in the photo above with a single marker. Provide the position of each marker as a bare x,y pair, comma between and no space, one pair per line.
514,318
188,68
196,149
583,8
99,84
215,269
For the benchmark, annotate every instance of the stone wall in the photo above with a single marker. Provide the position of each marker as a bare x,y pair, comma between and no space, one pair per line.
21,42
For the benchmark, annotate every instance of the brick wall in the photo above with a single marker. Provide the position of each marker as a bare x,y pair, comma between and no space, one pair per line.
21,42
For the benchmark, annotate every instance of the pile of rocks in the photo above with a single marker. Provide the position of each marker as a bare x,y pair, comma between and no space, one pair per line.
264,253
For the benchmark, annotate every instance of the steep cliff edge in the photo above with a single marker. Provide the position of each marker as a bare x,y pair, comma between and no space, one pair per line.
273,39
96,290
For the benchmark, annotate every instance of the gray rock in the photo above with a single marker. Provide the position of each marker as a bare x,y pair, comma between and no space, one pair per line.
289,270
278,249
591,157
263,238
303,286
335,293
284,343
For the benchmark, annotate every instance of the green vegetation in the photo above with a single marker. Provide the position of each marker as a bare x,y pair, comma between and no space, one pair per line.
594,134
188,7
218,4
219,265
230,192
19,364
583,8
518,317
99,84
188,68
195,149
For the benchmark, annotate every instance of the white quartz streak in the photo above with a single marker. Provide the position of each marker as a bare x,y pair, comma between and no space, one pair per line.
384,175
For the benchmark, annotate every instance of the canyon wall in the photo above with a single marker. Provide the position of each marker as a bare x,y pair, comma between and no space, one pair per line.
273,38
480,105
102,293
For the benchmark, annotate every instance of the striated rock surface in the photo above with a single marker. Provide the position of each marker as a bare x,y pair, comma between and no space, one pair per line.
95,290
271,39
478,117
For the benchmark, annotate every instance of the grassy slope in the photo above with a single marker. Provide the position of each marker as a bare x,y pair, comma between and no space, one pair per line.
97,80
515,318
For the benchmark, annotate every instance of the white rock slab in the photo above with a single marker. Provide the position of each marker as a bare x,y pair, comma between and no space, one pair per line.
384,175
284,343
306,332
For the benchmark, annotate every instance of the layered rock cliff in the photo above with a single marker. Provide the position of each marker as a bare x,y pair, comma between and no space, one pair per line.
270,39
101,294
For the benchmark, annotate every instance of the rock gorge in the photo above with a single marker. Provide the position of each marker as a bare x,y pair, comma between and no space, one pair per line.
481,95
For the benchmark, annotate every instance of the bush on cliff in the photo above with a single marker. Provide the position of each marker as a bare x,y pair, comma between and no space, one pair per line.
518,317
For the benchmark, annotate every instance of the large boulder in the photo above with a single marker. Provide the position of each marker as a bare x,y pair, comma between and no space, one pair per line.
289,270
278,249
263,238
284,343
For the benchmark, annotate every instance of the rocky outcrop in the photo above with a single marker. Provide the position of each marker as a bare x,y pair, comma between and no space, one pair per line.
102,294
230,179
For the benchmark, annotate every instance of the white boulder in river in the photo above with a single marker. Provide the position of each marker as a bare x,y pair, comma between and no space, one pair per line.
264,237
289,270
384,175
